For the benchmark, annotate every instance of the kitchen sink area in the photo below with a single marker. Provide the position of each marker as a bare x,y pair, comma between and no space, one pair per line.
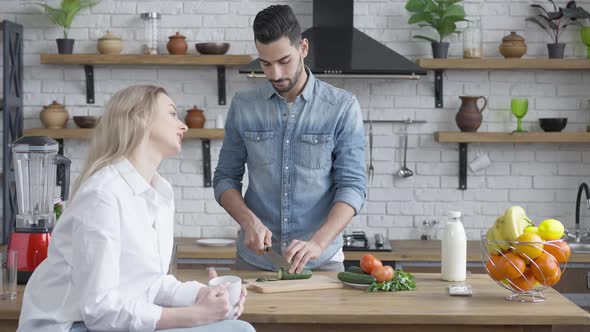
580,246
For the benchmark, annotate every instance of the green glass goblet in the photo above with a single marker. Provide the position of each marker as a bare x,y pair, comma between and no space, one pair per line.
519,107
585,31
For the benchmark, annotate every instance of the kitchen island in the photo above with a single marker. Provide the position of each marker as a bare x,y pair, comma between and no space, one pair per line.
429,308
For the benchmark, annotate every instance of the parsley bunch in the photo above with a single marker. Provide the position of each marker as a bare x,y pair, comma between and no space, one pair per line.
402,281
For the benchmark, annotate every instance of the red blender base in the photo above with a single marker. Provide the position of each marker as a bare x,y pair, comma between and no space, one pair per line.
31,250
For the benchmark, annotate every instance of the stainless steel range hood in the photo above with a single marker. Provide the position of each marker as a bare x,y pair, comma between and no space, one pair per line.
337,49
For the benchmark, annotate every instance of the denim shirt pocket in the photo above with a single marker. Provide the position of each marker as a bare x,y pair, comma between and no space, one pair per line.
260,146
316,151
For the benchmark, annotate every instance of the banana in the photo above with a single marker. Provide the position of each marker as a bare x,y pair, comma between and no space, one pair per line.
514,223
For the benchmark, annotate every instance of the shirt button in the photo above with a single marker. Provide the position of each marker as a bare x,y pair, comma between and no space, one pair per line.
258,138
287,141
286,167
284,244
285,219
315,141
292,115
286,194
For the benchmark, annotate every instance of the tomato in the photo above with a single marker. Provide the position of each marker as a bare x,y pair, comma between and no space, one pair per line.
383,273
369,262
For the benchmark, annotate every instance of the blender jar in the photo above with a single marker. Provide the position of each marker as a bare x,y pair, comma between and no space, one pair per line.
35,167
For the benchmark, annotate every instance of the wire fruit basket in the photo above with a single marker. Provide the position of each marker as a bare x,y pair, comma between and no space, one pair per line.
525,268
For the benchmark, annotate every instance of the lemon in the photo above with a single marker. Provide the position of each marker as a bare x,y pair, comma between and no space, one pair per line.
532,230
551,229
529,246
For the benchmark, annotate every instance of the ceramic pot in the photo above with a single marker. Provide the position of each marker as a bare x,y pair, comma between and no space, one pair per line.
513,46
469,116
65,46
109,44
177,44
440,50
54,116
556,50
194,118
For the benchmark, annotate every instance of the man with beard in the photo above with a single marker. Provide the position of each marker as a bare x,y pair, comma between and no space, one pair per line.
303,142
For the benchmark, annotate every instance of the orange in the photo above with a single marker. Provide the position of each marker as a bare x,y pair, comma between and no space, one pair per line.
529,245
511,265
546,269
491,266
558,249
524,283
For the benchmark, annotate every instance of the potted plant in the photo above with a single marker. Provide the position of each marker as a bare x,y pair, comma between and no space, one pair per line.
441,15
63,16
579,12
554,23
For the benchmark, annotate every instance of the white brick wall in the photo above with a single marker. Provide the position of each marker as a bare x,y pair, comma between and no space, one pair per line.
543,178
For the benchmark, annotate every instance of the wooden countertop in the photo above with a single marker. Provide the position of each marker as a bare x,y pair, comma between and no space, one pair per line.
403,250
430,304
429,308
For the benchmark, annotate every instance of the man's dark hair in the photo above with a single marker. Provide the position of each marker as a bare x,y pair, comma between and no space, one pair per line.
274,22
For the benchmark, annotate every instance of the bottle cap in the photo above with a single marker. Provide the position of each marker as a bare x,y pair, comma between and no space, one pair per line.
454,214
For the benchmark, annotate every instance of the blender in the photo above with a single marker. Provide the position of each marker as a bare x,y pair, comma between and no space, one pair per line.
36,166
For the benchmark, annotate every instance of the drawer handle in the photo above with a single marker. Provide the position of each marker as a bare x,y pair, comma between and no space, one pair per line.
588,280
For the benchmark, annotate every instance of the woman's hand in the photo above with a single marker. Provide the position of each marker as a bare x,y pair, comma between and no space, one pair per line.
212,305
241,303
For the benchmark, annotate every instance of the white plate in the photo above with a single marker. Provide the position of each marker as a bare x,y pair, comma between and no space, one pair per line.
360,286
215,242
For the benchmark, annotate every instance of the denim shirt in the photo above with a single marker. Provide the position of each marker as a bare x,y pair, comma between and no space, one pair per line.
300,161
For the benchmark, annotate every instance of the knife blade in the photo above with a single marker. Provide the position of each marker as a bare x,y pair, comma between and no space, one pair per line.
276,259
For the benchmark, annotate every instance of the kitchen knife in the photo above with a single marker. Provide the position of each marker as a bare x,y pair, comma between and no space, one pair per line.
276,259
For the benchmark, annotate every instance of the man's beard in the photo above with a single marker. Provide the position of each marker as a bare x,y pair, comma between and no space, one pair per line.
292,81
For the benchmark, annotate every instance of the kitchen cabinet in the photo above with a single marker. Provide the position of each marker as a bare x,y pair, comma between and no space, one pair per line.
11,105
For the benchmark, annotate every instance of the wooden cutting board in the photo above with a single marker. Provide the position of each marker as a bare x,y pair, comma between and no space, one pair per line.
314,283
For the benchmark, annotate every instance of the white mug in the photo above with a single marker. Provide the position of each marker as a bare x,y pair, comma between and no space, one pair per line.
220,121
234,290
480,162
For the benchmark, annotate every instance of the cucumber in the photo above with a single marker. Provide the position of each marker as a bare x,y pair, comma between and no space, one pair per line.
356,269
285,275
356,278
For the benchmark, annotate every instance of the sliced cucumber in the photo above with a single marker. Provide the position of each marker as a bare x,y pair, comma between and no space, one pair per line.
285,275
356,278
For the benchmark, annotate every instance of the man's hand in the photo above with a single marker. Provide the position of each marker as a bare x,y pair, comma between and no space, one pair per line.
256,236
300,252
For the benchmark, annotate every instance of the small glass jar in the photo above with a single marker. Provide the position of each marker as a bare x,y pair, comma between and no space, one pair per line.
150,26
472,39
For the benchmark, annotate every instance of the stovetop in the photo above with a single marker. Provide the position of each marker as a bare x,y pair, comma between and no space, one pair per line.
358,241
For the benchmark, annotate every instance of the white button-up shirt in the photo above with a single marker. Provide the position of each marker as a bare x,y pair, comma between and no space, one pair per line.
108,258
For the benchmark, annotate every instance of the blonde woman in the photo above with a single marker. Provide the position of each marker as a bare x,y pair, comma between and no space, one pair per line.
106,268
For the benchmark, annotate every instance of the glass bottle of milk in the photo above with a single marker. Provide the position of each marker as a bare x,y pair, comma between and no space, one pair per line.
454,249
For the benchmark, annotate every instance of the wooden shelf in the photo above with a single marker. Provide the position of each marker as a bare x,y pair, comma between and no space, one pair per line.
77,133
501,63
137,59
463,138
90,60
499,137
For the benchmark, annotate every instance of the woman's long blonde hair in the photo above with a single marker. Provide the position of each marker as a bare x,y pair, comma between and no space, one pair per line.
126,122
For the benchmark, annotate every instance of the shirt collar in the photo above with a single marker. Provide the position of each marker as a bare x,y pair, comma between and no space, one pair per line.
269,90
138,184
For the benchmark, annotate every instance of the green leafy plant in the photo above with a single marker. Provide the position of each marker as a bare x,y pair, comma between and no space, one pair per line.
64,15
402,281
441,15
556,21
